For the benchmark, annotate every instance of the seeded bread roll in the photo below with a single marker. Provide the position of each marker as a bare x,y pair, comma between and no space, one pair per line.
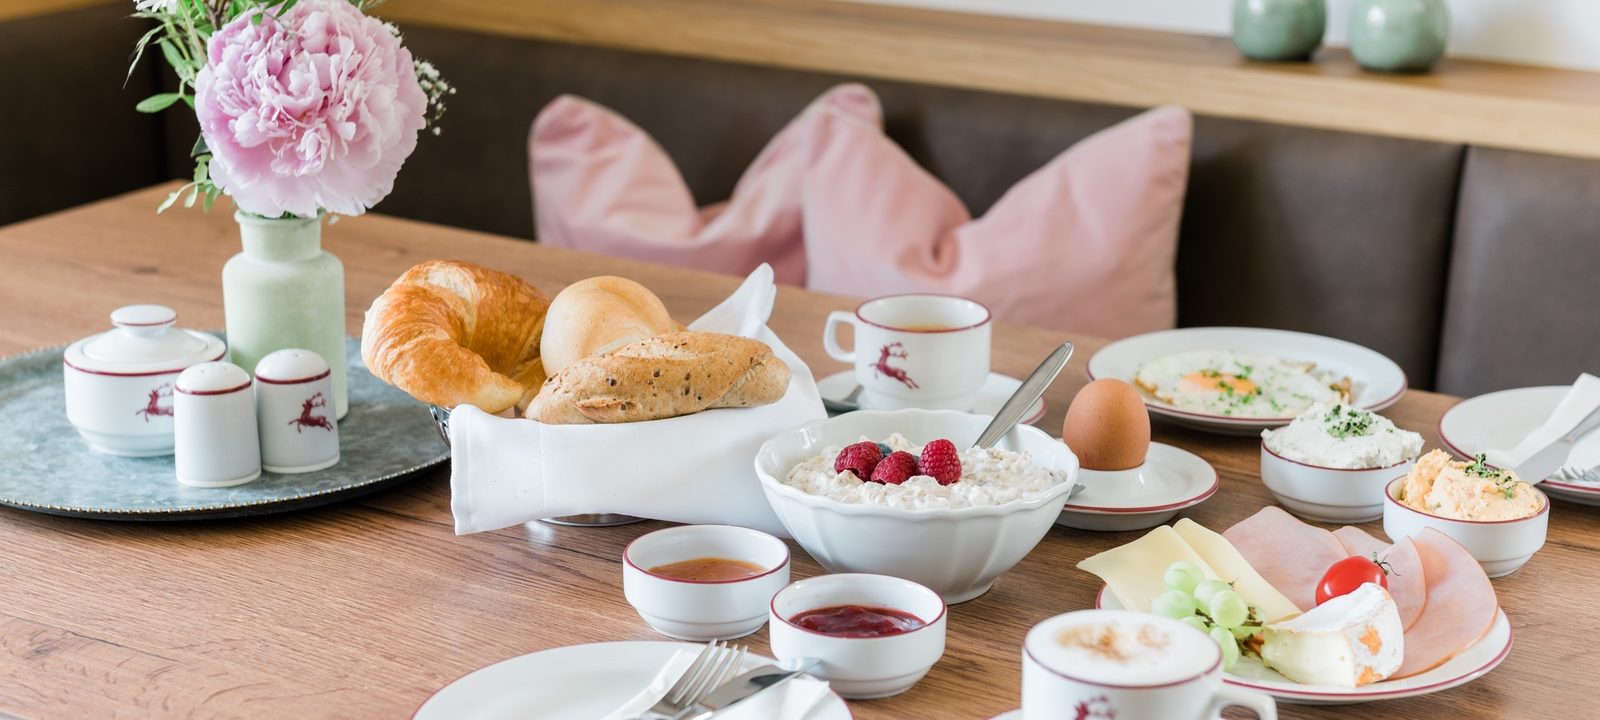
661,377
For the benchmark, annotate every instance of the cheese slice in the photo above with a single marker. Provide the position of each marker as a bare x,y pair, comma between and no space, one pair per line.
1348,641
1135,571
1232,568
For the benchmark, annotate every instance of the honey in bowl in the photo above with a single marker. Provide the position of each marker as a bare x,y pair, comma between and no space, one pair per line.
856,621
708,569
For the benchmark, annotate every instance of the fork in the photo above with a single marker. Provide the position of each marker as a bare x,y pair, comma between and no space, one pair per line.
714,665
1578,475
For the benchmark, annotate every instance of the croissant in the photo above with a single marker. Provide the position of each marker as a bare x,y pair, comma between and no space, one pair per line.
452,333
661,377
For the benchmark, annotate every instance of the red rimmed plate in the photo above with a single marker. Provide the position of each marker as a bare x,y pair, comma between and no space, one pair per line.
1503,419
1170,480
1376,381
1468,665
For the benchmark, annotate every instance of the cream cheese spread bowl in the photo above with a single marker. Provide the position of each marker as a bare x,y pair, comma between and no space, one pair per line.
956,551
1335,478
119,383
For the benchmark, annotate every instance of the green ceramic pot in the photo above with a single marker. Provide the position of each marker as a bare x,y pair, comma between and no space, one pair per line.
1279,29
1398,35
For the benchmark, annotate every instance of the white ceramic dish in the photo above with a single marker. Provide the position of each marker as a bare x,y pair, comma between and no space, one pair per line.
703,610
861,668
996,391
1377,382
1468,665
577,682
1500,546
1325,494
958,552
1017,715
118,384
1170,480
1503,419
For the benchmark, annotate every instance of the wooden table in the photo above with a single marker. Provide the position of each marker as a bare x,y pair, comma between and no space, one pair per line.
363,609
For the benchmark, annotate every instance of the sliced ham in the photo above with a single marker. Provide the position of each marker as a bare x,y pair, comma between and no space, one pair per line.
1461,604
1289,554
1407,581
1358,543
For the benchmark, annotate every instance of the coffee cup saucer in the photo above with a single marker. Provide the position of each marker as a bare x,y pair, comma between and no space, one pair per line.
1170,480
996,390
1017,715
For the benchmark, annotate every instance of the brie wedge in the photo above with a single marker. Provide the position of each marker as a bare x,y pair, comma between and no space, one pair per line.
1348,641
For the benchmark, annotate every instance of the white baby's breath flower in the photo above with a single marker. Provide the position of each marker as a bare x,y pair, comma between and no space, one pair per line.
157,6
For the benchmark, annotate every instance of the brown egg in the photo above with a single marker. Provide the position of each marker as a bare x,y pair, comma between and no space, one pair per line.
1107,426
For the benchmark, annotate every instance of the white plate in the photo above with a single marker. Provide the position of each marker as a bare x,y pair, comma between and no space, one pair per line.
577,682
1170,480
1376,381
996,391
1017,715
1468,665
1502,419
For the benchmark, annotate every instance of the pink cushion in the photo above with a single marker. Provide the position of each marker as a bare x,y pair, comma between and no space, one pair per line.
602,184
1084,244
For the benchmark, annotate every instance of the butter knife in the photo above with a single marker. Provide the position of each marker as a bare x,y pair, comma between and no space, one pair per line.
742,688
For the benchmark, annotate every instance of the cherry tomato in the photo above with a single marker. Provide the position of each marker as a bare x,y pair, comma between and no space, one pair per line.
1345,576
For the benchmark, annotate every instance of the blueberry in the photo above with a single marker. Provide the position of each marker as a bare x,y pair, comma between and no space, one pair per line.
882,448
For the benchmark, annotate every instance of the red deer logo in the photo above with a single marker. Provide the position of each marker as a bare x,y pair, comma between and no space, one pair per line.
1098,708
306,419
153,406
882,366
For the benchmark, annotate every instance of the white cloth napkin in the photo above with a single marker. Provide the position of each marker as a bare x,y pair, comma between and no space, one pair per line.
693,469
1580,400
792,700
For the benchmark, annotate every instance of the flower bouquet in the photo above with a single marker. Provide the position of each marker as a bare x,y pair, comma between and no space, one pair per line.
306,108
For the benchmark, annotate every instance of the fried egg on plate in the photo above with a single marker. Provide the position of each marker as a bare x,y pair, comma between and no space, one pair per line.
1221,382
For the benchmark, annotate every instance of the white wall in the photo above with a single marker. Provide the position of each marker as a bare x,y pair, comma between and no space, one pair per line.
1562,33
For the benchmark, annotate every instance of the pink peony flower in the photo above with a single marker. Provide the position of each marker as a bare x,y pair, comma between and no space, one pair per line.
315,110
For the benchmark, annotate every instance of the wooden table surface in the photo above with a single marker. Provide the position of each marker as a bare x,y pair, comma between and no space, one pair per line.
363,609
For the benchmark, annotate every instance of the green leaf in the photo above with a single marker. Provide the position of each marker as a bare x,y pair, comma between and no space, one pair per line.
187,100
175,58
170,199
199,148
158,102
194,192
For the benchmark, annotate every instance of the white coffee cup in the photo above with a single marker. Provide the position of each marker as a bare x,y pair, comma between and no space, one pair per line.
1101,664
923,351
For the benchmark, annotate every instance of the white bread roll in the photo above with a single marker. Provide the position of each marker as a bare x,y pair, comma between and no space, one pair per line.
598,315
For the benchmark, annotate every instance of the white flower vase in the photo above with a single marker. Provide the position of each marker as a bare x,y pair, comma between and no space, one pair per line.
285,291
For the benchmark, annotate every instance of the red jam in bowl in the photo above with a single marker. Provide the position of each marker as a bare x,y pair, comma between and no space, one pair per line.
856,621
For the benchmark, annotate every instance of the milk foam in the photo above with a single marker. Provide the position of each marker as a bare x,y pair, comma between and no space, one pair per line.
1121,648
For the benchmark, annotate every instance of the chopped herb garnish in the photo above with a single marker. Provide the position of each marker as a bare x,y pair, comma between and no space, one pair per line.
1346,422
1504,481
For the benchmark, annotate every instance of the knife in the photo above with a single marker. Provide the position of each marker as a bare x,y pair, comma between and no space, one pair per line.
742,688
1551,457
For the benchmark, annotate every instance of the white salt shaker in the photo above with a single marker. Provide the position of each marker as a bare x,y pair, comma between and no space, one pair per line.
294,391
214,419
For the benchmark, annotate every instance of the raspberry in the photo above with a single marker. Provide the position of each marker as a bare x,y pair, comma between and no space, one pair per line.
899,467
860,458
941,462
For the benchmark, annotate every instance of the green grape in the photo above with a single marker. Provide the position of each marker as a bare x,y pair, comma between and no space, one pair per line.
1183,577
1204,591
1174,604
1230,647
1245,631
1198,623
1228,609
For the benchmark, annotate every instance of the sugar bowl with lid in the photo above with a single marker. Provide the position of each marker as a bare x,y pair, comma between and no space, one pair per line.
119,383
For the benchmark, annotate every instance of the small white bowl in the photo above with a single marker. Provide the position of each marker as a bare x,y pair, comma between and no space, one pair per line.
1325,494
861,668
703,610
957,552
1500,546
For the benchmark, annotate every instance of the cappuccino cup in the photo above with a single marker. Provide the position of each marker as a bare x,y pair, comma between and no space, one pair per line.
915,351
1104,664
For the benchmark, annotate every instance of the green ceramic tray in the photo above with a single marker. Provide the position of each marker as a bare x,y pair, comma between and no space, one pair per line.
46,467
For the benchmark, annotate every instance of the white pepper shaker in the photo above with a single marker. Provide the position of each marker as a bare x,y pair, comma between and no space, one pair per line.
214,426
294,391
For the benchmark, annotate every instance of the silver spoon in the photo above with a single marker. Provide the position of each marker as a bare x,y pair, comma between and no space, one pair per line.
1026,395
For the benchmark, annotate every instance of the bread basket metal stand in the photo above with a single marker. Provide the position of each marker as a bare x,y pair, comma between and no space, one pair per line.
441,422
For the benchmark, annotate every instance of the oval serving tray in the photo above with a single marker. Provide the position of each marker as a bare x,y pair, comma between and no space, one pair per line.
46,467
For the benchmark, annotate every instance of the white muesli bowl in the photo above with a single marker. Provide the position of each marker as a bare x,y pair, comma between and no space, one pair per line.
956,551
